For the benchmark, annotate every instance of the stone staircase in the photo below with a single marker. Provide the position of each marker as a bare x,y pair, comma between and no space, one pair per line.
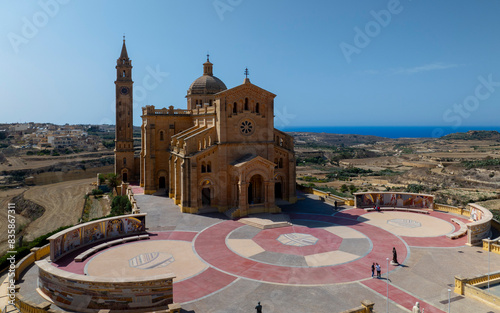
267,220
229,213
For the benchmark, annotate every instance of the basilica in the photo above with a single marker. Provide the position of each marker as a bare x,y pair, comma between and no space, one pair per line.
220,153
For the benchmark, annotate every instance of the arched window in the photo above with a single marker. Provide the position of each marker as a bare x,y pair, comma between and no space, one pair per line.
124,161
281,142
209,167
276,163
123,61
203,167
246,104
280,164
204,143
123,74
199,145
161,135
210,102
235,108
257,108
209,141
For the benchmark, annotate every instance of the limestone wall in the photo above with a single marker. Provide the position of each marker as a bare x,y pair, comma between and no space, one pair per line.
68,240
481,227
87,293
393,199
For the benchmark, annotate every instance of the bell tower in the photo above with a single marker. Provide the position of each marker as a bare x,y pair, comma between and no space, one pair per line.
124,141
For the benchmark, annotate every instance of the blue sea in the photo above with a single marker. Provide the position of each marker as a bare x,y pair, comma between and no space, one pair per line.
390,131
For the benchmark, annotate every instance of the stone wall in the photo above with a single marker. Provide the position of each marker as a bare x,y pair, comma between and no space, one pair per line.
87,293
470,287
83,235
481,227
393,199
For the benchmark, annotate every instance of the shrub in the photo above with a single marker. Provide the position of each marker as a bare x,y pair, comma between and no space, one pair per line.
120,205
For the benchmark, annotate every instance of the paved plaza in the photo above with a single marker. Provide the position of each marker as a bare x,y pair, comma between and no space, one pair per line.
321,262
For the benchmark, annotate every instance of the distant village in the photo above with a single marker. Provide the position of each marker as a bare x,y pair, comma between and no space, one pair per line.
50,136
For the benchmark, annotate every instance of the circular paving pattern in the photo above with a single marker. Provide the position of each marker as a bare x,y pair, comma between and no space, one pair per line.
299,246
404,223
147,258
408,224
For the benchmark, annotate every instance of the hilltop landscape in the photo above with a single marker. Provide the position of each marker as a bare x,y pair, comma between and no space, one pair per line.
458,168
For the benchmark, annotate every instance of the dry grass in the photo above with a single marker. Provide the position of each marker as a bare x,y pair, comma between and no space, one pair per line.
63,203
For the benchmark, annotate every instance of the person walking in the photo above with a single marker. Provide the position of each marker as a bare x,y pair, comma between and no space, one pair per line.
373,269
378,271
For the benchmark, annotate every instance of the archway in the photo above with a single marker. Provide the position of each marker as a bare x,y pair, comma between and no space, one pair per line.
205,196
124,177
256,190
162,182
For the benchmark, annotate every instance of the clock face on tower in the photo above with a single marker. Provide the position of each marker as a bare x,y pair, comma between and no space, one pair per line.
124,91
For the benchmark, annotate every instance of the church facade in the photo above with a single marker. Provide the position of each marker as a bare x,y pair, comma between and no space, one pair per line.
222,152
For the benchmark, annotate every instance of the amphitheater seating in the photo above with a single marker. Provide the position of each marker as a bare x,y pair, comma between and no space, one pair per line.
82,256
422,211
459,233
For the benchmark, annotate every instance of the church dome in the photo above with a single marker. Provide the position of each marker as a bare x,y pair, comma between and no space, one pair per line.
208,83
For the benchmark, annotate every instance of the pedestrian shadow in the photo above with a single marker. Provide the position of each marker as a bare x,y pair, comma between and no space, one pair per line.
384,278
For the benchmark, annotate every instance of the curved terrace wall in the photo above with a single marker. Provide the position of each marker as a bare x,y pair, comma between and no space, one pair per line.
86,234
393,199
480,226
89,293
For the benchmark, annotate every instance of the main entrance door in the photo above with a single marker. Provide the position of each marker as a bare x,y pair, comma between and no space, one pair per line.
256,190
161,183
205,196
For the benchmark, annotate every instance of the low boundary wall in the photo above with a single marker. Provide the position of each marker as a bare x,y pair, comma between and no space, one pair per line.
393,199
89,293
480,226
327,196
470,287
83,235
35,255
365,307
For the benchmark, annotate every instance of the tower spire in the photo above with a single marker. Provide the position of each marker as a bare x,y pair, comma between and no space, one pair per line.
124,54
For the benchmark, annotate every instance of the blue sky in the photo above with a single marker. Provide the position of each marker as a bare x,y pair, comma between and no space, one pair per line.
344,63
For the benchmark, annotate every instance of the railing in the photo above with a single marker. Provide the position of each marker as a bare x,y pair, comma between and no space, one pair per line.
469,287
448,208
35,255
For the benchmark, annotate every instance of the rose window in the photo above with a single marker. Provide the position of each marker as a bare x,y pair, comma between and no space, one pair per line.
246,127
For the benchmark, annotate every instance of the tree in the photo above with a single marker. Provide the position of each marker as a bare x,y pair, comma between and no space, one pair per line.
120,205
102,179
113,181
343,188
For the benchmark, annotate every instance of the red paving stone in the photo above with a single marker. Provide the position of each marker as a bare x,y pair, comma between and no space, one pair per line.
398,295
210,246
268,240
207,282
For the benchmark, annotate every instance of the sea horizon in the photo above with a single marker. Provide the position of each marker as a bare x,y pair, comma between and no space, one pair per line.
390,131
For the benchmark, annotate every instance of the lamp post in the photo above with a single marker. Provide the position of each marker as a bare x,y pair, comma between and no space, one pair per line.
387,285
489,250
449,295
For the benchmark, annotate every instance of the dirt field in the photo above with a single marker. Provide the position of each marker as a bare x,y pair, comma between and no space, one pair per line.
63,203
